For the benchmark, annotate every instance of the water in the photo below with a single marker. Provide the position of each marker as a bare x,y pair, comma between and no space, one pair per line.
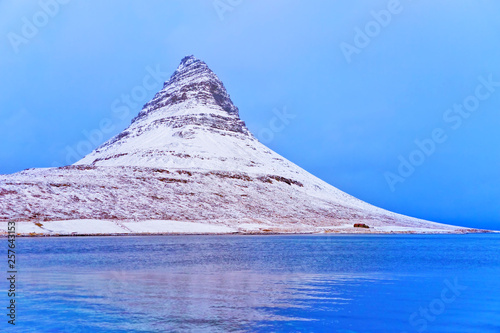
389,283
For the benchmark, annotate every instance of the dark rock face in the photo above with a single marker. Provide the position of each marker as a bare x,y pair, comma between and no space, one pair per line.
192,85
209,120
192,81
361,225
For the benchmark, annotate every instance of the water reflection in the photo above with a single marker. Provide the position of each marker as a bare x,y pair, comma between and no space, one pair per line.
207,300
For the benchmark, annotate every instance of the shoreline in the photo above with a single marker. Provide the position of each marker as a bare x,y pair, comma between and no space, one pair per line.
248,234
338,233
4,236
109,228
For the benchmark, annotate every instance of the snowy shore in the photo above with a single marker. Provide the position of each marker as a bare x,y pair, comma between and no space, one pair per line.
166,227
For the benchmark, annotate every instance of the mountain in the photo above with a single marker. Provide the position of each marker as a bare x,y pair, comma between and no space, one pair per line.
188,162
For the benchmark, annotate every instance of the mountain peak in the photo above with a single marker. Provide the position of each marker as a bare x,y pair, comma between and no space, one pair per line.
190,116
188,60
192,66
193,84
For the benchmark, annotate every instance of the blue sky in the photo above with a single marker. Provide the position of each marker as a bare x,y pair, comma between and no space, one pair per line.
364,80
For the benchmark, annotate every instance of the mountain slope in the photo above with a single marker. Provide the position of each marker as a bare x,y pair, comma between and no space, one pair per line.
188,156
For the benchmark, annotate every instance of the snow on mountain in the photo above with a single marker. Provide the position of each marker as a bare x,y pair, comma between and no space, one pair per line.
188,157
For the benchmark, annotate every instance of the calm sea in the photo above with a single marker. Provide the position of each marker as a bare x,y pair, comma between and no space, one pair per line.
389,283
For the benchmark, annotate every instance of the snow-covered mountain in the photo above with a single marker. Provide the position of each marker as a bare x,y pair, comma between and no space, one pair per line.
188,156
